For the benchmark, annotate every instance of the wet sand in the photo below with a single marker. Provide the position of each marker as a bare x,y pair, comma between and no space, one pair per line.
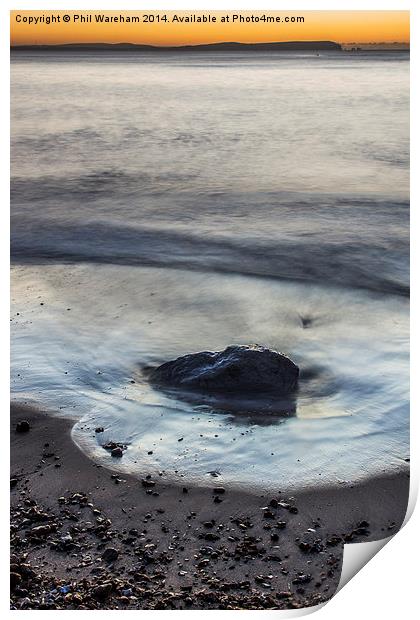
84,537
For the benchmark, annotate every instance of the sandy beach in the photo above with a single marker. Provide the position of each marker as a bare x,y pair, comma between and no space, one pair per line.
84,537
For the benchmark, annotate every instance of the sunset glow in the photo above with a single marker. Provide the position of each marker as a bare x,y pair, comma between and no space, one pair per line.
339,26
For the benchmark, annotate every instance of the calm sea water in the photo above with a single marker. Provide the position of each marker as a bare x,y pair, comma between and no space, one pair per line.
168,204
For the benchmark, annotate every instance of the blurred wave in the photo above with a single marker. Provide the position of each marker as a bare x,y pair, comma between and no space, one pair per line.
166,205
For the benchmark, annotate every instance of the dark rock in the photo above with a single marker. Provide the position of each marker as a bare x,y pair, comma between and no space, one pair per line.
361,531
334,541
210,536
111,445
208,524
238,369
218,490
268,514
15,580
117,452
102,591
23,426
110,555
100,429
202,563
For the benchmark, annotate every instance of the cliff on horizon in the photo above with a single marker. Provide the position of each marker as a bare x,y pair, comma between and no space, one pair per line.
228,46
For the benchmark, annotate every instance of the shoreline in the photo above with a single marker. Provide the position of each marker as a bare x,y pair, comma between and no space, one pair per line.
85,537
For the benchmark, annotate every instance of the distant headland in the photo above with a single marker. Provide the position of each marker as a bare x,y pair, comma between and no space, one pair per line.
208,47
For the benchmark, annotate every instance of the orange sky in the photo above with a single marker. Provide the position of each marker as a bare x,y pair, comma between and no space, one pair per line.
340,26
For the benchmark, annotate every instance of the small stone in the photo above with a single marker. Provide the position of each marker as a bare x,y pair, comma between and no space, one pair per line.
302,579
361,531
210,536
268,514
127,592
110,555
23,426
99,429
15,580
117,452
102,591
67,539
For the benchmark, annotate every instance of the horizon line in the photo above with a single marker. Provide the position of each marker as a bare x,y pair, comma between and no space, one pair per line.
215,43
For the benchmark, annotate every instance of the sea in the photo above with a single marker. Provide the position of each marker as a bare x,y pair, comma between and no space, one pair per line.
165,204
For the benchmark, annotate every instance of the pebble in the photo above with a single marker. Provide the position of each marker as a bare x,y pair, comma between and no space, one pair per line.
302,579
110,555
102,591
15,580
23,426
268,514
148,483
